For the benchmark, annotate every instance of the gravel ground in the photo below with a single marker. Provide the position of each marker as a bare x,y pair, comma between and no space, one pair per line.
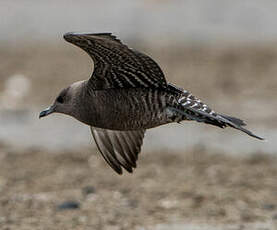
77,190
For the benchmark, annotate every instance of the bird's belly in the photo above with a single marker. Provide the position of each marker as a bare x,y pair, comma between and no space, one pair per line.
131,109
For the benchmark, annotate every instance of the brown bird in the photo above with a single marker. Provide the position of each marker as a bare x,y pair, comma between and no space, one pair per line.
127,94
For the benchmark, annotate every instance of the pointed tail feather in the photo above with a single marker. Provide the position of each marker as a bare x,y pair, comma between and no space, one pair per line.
237,123
235,120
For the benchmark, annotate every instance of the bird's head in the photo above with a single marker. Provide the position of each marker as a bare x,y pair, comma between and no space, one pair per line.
66,101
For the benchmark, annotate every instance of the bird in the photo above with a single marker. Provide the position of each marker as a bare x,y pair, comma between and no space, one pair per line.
127,94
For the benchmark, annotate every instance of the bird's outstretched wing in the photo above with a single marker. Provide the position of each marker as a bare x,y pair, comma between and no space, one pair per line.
116,65
119,148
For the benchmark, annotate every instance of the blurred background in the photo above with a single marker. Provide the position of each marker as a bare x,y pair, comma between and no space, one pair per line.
189,176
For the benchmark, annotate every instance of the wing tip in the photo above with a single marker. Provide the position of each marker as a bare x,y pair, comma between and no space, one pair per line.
70,35
119,171
67,36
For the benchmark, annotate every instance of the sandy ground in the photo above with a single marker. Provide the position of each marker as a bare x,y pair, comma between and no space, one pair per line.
197,186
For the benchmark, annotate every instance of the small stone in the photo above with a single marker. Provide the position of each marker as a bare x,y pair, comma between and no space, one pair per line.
88,190
69,205
168,204
269,207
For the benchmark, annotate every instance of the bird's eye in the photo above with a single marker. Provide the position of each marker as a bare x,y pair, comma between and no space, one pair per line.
60,99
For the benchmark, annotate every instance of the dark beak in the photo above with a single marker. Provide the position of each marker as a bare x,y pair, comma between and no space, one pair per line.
47,111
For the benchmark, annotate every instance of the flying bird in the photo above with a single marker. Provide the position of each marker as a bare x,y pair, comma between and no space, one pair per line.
127,94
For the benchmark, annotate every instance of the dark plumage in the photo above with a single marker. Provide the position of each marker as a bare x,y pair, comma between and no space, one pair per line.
127,94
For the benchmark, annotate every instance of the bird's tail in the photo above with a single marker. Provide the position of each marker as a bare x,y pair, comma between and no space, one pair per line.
215,119
191,108
237,124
